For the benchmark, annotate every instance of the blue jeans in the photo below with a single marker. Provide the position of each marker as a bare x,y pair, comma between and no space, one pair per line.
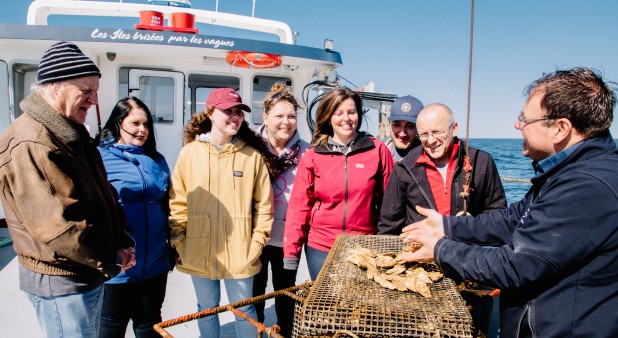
208,293
75,315
315,261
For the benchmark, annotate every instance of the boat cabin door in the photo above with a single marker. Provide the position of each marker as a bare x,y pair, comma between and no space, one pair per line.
5,94
163,94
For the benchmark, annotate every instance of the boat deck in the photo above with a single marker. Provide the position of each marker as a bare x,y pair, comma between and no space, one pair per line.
17,318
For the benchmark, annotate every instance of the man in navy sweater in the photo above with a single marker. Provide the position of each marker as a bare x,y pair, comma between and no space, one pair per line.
554,254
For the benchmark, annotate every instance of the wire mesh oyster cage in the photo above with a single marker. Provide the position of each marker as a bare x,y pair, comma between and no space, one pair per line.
343,302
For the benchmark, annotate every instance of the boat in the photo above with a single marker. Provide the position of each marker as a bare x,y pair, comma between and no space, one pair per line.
158,52
155,52
164,53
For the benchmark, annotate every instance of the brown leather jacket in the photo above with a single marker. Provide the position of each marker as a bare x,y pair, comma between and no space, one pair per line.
59,207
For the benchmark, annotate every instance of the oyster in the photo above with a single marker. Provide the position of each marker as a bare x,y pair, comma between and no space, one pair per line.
362,252
391,271
396,270
361,260
385,261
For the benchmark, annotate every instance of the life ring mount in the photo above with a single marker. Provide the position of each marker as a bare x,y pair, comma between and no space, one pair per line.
253,59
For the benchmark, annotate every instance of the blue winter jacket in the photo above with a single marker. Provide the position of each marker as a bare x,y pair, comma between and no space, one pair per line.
556,251
143,185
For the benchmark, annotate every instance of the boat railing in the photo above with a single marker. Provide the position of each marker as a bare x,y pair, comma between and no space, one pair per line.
40,10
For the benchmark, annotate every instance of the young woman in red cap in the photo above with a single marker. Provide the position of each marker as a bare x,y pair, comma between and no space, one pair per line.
222,206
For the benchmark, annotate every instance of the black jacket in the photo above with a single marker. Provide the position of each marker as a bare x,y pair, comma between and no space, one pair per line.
408,187
556,260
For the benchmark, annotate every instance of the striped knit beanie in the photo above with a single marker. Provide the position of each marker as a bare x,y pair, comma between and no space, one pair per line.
64,61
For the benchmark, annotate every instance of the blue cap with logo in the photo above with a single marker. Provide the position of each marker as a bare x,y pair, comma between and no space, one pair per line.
405,108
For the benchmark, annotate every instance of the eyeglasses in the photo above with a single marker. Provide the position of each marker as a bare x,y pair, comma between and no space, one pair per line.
438,135
524,120
276,96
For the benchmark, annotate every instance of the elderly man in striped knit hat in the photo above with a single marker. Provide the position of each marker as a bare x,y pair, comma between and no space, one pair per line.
67,228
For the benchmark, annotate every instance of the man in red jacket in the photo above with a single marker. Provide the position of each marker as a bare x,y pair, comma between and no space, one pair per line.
434,176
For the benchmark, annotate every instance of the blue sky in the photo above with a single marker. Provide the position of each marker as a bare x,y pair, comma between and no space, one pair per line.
421,47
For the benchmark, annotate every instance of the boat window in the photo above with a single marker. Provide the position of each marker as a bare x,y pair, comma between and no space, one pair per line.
158,94
163,91
5,105
201,93
200,85
261,87
24,76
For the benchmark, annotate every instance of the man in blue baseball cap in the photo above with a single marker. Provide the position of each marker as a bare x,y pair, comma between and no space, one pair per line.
403,126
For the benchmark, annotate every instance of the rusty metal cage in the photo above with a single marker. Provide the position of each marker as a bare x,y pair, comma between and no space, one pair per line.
342,302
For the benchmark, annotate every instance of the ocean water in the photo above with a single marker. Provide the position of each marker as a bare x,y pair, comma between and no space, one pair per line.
511,164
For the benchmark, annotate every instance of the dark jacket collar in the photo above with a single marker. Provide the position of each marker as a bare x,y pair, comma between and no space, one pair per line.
410,160
363,141
589,148
67,131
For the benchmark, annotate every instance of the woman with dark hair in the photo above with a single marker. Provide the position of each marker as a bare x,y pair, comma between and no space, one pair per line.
339,183
279,132
222,207
142,178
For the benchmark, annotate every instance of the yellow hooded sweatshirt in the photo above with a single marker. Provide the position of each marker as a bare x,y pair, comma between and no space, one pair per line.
221,210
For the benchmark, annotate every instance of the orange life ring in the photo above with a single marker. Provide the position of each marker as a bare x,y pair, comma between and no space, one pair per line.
253,60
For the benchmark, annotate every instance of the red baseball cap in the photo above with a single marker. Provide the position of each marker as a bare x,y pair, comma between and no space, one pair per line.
225,98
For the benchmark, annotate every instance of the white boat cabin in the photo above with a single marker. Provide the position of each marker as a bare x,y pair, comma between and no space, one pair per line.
164,55
159,60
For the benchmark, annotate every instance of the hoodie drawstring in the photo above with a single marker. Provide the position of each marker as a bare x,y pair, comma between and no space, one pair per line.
209,169
233,171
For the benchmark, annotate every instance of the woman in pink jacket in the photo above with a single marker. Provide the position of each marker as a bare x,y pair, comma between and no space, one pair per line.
339,183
